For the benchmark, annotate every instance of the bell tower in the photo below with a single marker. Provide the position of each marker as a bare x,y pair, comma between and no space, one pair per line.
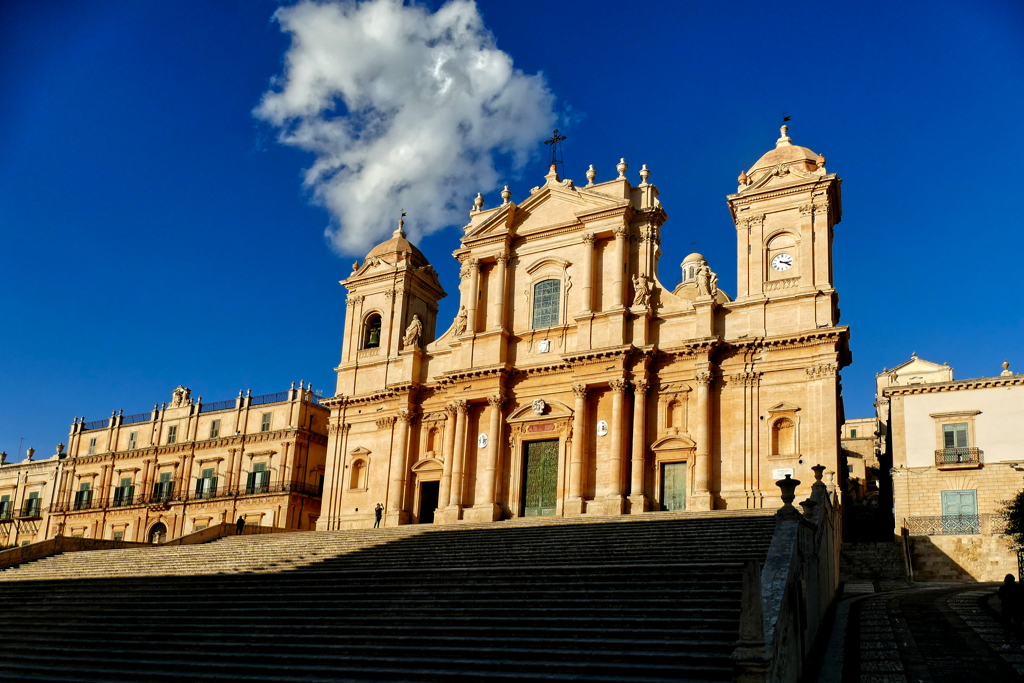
391,316
785,210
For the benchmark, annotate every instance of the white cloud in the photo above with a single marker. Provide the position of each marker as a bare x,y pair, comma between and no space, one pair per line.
402,109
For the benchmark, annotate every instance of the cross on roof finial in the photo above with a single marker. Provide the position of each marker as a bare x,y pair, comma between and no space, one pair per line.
556,147
401,224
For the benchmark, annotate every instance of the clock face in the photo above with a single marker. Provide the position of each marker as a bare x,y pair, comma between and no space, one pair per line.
782,262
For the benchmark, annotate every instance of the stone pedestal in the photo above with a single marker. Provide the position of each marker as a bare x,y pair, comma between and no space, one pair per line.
638,504
397,518
452,514
573,507
701,502
482,512
613,505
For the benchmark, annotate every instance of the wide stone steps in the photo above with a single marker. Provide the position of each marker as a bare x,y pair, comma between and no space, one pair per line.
648,601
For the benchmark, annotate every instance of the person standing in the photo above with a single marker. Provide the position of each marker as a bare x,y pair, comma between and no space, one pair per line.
378,513
1009,599
239,525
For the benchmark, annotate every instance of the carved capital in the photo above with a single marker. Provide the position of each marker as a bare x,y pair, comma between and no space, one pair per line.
579,390
821,208
704,379
404,415
385,422
461,405
621,232
640,386
805,210
502,258
353,301
496,401
823,370
619,386
588,238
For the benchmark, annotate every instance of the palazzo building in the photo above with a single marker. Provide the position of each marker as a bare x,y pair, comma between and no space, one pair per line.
572,381
188,465
27,489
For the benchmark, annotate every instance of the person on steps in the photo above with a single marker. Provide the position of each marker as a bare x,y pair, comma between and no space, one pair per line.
239,525
1009,599
378,513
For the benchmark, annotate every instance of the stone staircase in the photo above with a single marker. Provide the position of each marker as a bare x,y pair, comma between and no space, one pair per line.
872,562
646,598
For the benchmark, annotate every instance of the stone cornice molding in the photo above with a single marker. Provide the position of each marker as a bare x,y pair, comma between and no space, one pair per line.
959,385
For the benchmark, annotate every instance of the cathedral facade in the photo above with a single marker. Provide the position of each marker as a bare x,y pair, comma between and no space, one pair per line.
572,381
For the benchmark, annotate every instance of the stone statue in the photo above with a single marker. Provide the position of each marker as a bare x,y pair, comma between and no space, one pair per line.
642,287
714,284
460,321
180,397
413,332
704,280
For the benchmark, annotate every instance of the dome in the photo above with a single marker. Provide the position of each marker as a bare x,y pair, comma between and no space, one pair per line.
693,257
786,152
398,245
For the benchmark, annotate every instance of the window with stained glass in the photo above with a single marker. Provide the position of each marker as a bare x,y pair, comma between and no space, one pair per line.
545,303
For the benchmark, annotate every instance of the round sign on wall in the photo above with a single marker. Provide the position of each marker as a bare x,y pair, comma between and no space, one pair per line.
482,441
602,428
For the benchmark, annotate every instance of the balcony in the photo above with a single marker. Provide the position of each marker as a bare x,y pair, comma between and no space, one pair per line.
30,510
958,458
943,525
165,498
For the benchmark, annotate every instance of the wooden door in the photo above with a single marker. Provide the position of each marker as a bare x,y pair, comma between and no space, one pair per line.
673,486
540,478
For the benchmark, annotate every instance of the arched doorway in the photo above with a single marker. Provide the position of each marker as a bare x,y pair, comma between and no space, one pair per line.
158,534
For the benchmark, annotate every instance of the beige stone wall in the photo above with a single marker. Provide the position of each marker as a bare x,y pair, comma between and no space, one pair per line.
17,482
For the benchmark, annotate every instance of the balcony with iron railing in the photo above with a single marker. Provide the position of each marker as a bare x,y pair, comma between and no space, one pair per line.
943,525
958,458
31,509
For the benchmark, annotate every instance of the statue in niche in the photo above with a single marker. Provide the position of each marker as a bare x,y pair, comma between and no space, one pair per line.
461,321
180,397
642,289
413,332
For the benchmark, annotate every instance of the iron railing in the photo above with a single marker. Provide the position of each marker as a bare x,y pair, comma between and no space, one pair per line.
218,405
136,419
959,456
264,399
943,525
96,424
6,511
30,509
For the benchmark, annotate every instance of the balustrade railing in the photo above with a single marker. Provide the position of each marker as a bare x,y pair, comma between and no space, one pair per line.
959,456
264,399
96,424
943,525
217,405
136,418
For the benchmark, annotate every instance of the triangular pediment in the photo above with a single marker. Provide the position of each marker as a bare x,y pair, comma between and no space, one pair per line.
359,451
916,364
676,442
784,407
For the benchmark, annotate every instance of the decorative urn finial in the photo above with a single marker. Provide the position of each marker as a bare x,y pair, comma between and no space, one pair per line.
506,195
591,174
621,167
788,486
785,140
3,457
478,203
820,162
644,175
29,453
1006,369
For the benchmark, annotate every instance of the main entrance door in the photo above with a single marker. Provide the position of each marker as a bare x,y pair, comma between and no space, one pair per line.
673,486
429,491
540,478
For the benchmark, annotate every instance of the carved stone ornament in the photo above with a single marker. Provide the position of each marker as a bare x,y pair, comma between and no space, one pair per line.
413,332
588,238
539,406
495,401
618,385
579,390
385,422
642,290
543,346
703,379
461,405
602,428
640,386
481,441
181,397
461,321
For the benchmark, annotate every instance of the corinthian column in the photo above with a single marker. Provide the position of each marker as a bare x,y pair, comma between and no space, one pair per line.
574,505
614,500
637,502
588,272
491,454
620,260
474,294
499,307
449,457
702,474
455,498
398,468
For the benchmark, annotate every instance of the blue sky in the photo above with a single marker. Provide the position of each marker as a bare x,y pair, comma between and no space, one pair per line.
153,231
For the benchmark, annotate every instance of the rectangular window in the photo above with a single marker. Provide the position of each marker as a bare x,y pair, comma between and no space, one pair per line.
954,435
118,535
853,433
83,496
5,507
172,434
206,486
198,527
545,303
215,429
265,422
92,446
31,506
259,479
133,440
164,487
960,512
123,493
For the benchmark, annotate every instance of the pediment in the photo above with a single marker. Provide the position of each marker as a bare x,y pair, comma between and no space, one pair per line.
555,204
784,407
782,174
553,410
676,442
359,450
916,364
428,464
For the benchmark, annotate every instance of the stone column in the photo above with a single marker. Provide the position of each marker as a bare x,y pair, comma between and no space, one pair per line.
398,468
574,506
455,498
620,260
614,500
501,269
588,272
474,294
702,432
637,501
491,458
449,455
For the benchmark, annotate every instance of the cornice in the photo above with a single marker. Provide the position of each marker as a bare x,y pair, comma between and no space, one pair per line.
959,385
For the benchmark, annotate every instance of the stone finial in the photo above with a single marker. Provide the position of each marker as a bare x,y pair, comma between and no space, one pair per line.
742,180
60,449
591,174
355,266
506,195
621,168
401,224
478,203
808,506
3,457
293,384
785,140
29,453
302,384
818,471
820,161
644,175
1006,369
788,486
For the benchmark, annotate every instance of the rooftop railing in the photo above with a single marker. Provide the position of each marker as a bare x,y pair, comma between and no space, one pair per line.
264,399
96,424
217,405
137,418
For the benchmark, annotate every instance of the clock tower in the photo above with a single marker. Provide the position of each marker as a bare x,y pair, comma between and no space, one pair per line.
785,209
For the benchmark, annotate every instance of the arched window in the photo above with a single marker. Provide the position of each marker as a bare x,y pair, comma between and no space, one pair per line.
783,437
691,272
545,303
371,334
358,475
